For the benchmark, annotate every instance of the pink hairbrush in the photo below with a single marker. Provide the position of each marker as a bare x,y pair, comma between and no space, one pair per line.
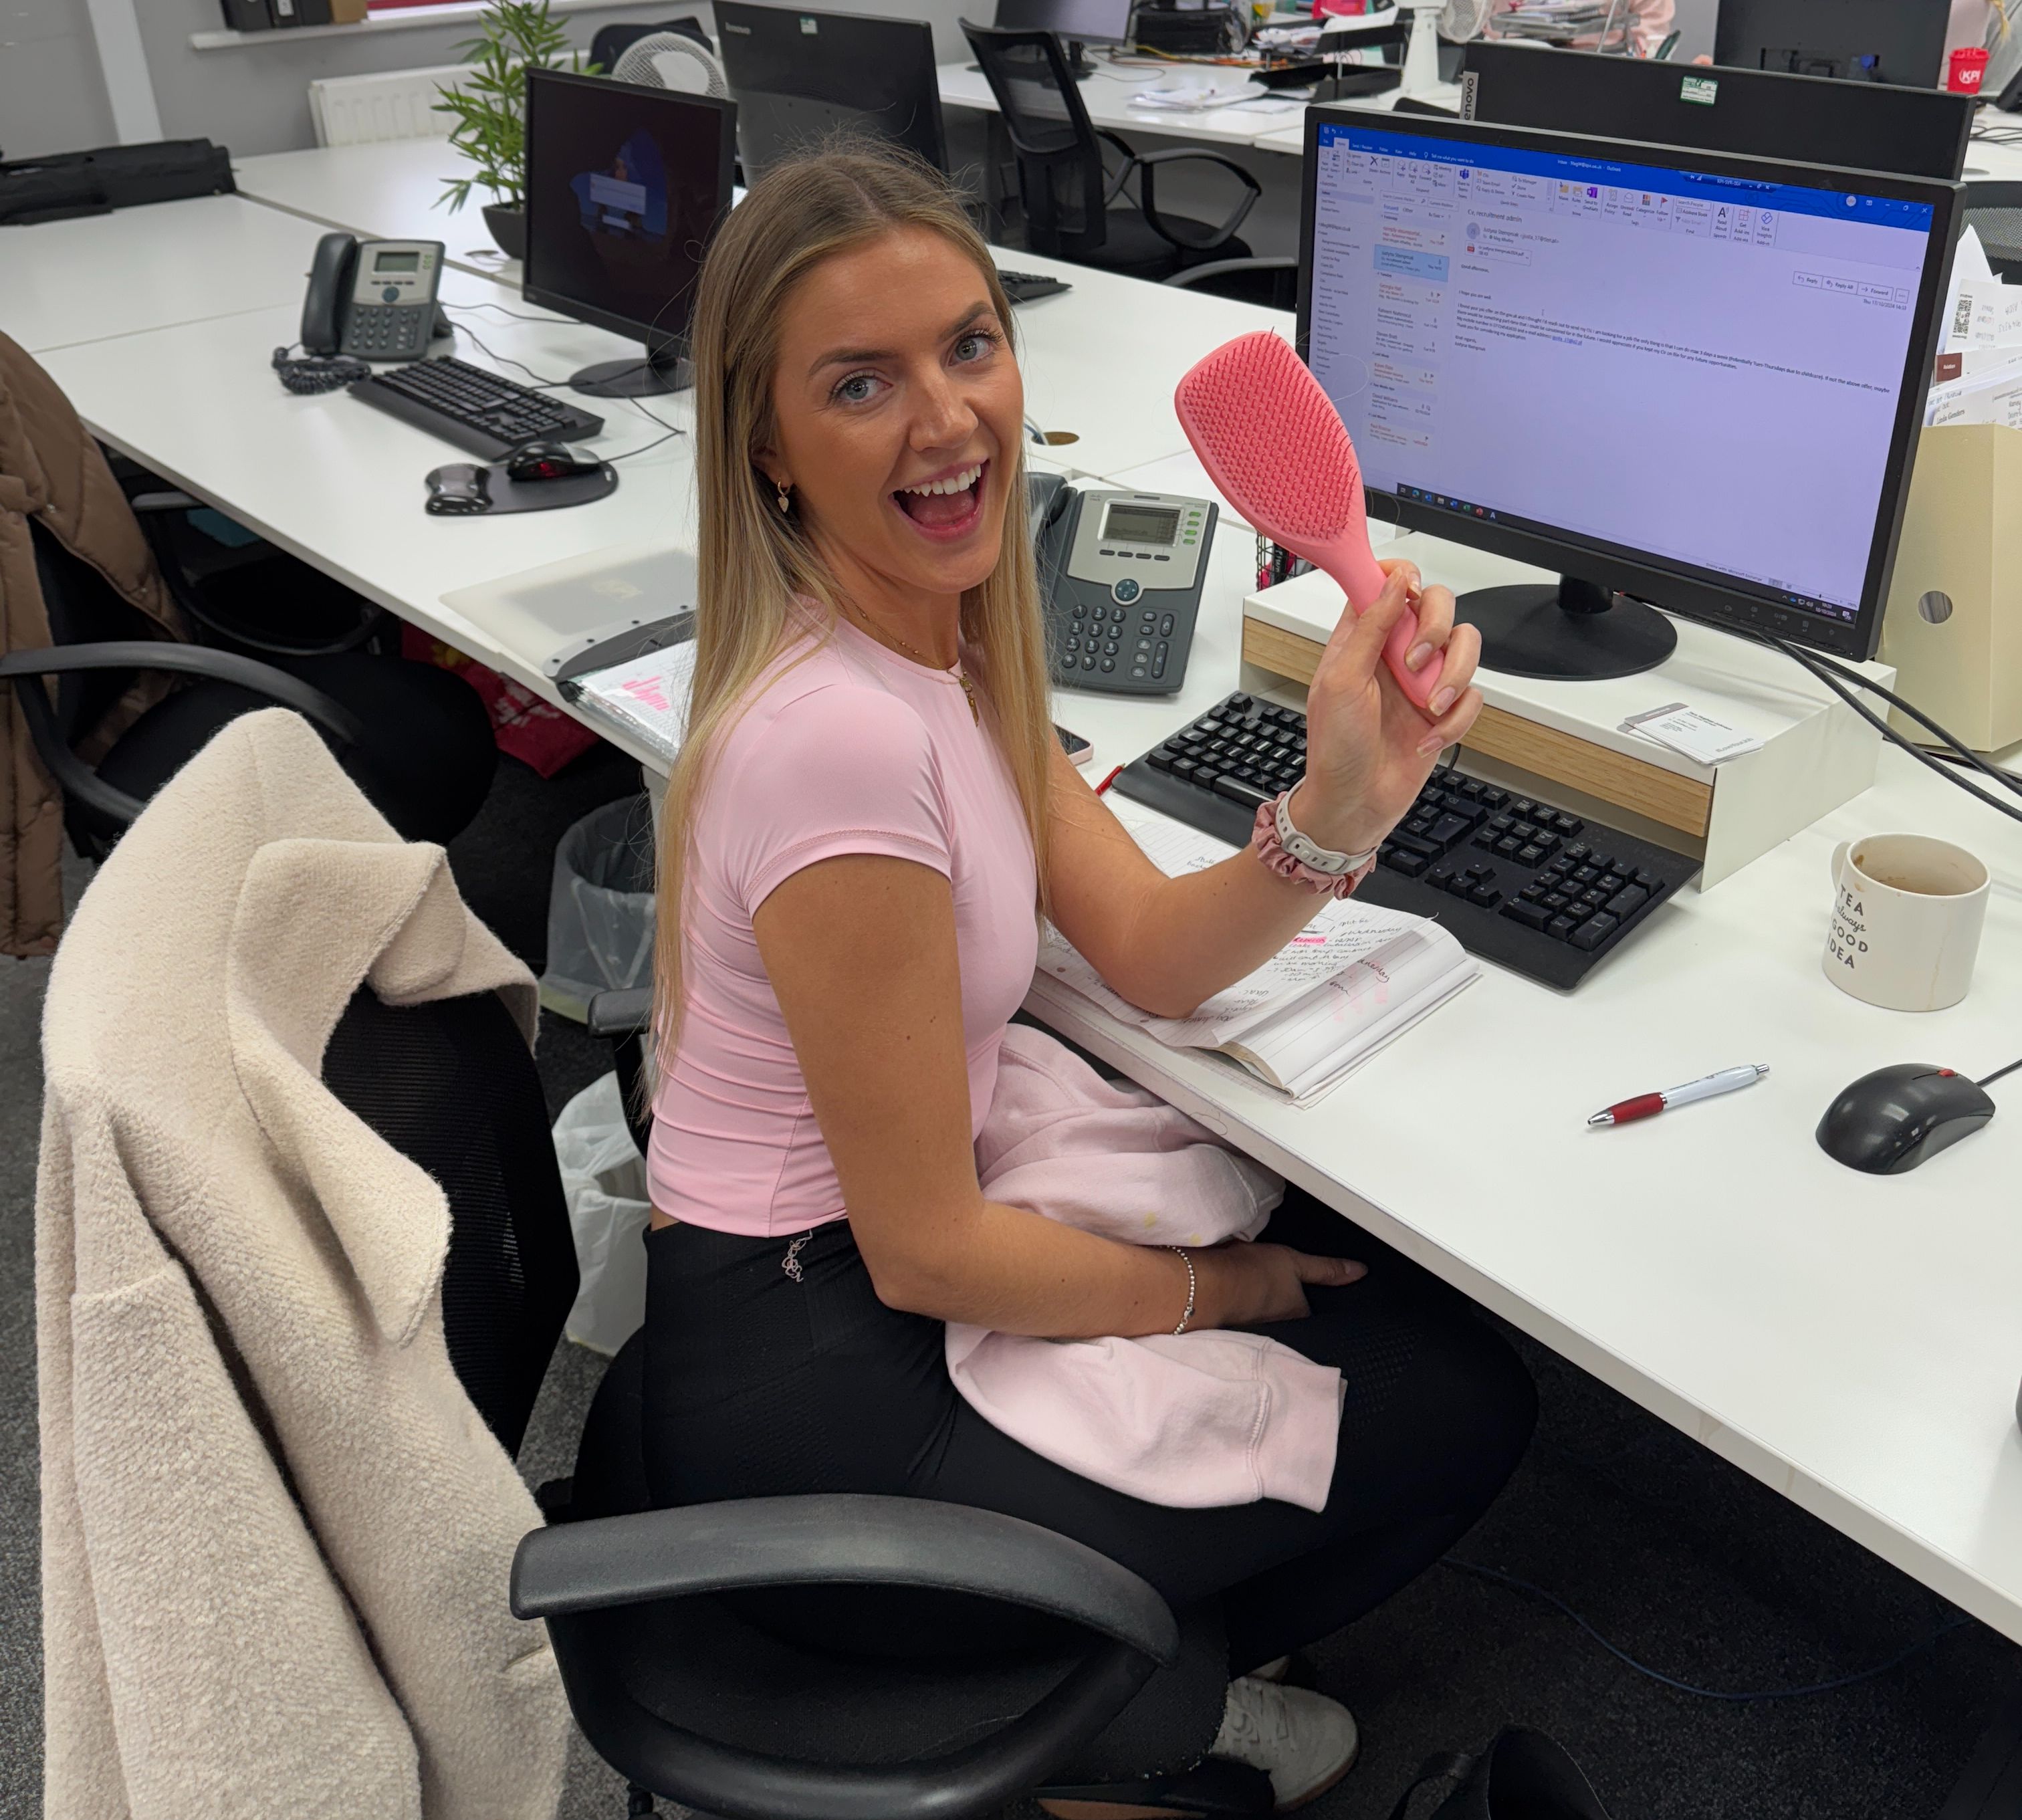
1273,441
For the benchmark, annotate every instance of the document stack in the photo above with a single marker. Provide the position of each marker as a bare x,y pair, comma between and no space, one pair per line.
1978,376
1352,980
1556,21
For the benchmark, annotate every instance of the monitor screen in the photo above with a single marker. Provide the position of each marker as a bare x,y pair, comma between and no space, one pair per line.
799,77
1693,377
625,186
1084,21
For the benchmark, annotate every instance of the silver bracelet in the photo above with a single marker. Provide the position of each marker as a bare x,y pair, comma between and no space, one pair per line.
1193,1285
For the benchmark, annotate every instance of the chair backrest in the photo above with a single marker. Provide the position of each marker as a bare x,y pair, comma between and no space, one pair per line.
83,608
1994,212
1061,182
450,1086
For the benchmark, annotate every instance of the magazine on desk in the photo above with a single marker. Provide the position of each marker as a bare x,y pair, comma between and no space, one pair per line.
647,695
1355,978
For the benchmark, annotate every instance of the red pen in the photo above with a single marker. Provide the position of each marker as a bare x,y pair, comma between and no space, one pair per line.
1107,782
1649,1105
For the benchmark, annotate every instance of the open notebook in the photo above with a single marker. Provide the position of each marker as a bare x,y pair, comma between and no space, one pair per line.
1353,979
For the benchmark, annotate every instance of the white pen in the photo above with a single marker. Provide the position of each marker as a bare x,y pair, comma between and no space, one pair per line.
1649,1105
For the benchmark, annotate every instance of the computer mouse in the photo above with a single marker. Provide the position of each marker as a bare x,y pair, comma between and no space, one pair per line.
1895,1118
547,462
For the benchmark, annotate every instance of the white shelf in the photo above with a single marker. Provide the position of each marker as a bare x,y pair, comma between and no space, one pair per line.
407,18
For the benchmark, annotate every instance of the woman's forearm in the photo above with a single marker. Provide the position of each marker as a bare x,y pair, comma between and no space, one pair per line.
1017,1272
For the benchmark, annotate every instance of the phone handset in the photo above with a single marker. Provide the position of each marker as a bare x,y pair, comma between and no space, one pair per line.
330,279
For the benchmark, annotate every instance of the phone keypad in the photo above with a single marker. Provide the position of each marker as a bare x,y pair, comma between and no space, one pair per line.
388,331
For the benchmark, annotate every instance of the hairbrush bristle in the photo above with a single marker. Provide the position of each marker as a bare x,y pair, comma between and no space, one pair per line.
1270,438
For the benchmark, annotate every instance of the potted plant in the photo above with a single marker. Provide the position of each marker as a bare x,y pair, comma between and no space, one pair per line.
491,109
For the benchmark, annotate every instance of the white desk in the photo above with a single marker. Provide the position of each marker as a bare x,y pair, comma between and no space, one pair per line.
64,282
1853,1342
390,190
1107,94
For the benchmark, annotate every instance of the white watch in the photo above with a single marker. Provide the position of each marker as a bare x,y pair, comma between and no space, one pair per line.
1310,853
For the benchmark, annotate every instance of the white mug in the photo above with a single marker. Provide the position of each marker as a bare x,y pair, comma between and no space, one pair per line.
1906,921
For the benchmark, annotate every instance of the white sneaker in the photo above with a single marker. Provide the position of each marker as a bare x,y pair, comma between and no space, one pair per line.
1303,1741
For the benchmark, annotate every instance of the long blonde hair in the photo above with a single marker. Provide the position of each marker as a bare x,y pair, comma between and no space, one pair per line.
755,560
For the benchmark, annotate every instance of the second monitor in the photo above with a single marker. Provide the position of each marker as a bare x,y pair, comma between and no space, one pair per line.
625,187
799,77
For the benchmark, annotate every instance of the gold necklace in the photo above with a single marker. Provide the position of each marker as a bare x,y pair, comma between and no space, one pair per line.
960,675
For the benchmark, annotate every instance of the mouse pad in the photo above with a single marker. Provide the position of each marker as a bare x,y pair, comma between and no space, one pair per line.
471,490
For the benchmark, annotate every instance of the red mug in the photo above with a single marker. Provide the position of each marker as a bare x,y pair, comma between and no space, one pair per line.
1967,70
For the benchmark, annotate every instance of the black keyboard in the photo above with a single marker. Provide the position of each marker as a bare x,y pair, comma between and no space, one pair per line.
1534,889
474,409
1028,287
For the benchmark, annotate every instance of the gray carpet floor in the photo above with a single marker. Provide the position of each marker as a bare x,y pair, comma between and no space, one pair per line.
1672,1556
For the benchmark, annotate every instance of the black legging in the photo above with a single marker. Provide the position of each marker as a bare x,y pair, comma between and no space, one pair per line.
758,1384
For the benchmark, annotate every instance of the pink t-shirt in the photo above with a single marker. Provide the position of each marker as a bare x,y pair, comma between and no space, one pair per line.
853,750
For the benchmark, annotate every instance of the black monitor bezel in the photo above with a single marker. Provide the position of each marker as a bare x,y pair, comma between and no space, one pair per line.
1574,76
1705,595
873,22
655,336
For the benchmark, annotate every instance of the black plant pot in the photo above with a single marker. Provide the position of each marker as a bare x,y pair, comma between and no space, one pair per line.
509,228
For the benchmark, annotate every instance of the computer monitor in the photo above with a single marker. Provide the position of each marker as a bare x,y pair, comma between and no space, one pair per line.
1672,377
798,77
1874,40
1075,22
625,186
1811,119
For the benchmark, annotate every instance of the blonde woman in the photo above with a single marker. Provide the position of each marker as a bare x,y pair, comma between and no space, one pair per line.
869,811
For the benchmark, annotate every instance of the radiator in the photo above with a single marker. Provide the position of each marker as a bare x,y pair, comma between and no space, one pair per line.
393,105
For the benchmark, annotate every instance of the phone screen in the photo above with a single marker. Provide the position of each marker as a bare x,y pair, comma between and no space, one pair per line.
1076,747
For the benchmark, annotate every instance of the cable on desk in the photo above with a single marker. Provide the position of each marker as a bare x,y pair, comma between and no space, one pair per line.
1988,1080
1750,1696
506,360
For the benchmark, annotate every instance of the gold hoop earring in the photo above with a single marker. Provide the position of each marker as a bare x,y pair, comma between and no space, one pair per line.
784,493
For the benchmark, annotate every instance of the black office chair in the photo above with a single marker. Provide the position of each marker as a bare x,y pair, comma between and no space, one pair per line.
1993,211
658,1617
1273,282
1070,202
416,740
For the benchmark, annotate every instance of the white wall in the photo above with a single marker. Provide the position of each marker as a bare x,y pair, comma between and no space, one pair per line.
254,97
1694,22
51,95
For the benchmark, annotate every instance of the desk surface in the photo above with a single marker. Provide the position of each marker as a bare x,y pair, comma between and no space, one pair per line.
1854,1342
65,282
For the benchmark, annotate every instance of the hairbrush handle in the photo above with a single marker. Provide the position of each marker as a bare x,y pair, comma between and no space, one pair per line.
1351,562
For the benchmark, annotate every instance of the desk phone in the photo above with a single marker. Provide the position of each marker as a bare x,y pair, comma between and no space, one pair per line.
374,300
1121,576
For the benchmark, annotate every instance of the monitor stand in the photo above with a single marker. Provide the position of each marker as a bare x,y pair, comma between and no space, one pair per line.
1078,67
652,375
1574,632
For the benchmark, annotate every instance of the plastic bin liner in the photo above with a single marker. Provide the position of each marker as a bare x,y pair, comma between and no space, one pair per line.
603,1177
600,907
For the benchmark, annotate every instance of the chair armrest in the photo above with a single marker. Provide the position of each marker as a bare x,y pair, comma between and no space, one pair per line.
1197,275
1112,186
195,660
622,1012
1147,165
861,1540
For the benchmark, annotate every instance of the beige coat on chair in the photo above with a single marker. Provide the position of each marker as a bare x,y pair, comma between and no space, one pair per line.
275,1533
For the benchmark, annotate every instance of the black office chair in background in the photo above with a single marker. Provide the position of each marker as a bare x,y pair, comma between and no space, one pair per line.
1070,202
1993,211
416,740
1273,282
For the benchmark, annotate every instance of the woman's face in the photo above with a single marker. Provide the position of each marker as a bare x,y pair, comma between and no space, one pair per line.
898,408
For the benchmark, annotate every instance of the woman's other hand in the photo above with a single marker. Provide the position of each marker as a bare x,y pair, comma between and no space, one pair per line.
1248,1285
1369,748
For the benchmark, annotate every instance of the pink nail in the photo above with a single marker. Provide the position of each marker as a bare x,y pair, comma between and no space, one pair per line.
1442,700
1417,659
1429,744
